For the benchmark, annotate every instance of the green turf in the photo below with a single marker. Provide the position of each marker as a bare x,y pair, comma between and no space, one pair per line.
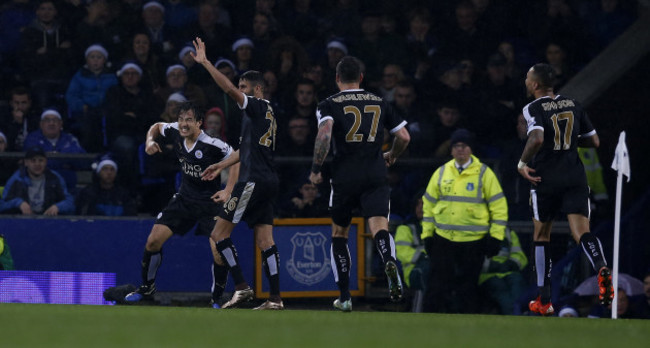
32,325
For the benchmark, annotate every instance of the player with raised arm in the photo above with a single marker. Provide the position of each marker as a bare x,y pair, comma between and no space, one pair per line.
195,203
354,121
557,126
253,195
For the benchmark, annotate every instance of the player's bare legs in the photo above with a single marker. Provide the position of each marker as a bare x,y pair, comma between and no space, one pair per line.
579,225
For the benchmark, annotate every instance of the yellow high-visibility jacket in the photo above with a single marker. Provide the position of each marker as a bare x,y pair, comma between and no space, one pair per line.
408,249
511,250
594,172
464,207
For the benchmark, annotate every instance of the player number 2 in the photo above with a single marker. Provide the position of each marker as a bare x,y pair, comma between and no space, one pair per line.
268,138
568,130
353,136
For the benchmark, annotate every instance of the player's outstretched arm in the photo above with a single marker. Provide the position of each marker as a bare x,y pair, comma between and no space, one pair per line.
222,81
151,146
214,170
533,144
401,141
222,196
321,148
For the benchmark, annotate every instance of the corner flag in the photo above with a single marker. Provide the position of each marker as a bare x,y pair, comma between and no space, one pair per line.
621,164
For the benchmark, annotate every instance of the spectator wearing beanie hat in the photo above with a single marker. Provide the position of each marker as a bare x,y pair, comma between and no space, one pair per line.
105,197
86,95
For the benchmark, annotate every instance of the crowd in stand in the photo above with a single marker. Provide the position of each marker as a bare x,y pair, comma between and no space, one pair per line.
91,76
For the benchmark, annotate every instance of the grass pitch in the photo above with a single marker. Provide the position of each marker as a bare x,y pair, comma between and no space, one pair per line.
36,325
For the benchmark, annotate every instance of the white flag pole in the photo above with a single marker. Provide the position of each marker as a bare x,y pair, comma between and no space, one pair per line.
622,165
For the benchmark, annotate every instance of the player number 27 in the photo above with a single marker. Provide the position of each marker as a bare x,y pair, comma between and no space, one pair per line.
353,136
568,130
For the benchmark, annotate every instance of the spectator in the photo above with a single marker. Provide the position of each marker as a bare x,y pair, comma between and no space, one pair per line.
216,96
177,83
36,189
515,187
465,38
287,60
100,26
215,124
335,50
130,111
163,40
21,119
513,70
195,74
494,124
556,57
412,111
304,100
86,94
410,253
597,188
315,73
217,36
51,138
264,31
421,41
448,119
149,62
307,202
244,55
465,217
171,107
299,140
7,165
301,21
271,92
46,54
392,74
104,196
501,280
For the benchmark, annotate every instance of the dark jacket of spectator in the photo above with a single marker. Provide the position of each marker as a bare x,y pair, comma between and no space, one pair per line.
55,192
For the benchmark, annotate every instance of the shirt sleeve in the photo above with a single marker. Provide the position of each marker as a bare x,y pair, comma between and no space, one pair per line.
324,112
533,118
394,122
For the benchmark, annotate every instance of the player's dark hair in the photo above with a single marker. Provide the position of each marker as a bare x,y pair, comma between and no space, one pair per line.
184,107
20,90
349,69
255,78
545,75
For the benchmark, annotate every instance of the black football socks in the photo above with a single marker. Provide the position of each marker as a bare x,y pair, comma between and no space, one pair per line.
340,255
151,261
228,253
385,245
271,264
219,279
594,250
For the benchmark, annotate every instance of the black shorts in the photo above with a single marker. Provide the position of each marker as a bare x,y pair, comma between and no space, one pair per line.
372,198
181,214
251,202
545,206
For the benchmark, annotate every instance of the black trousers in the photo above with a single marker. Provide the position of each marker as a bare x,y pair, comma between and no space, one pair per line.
452,286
